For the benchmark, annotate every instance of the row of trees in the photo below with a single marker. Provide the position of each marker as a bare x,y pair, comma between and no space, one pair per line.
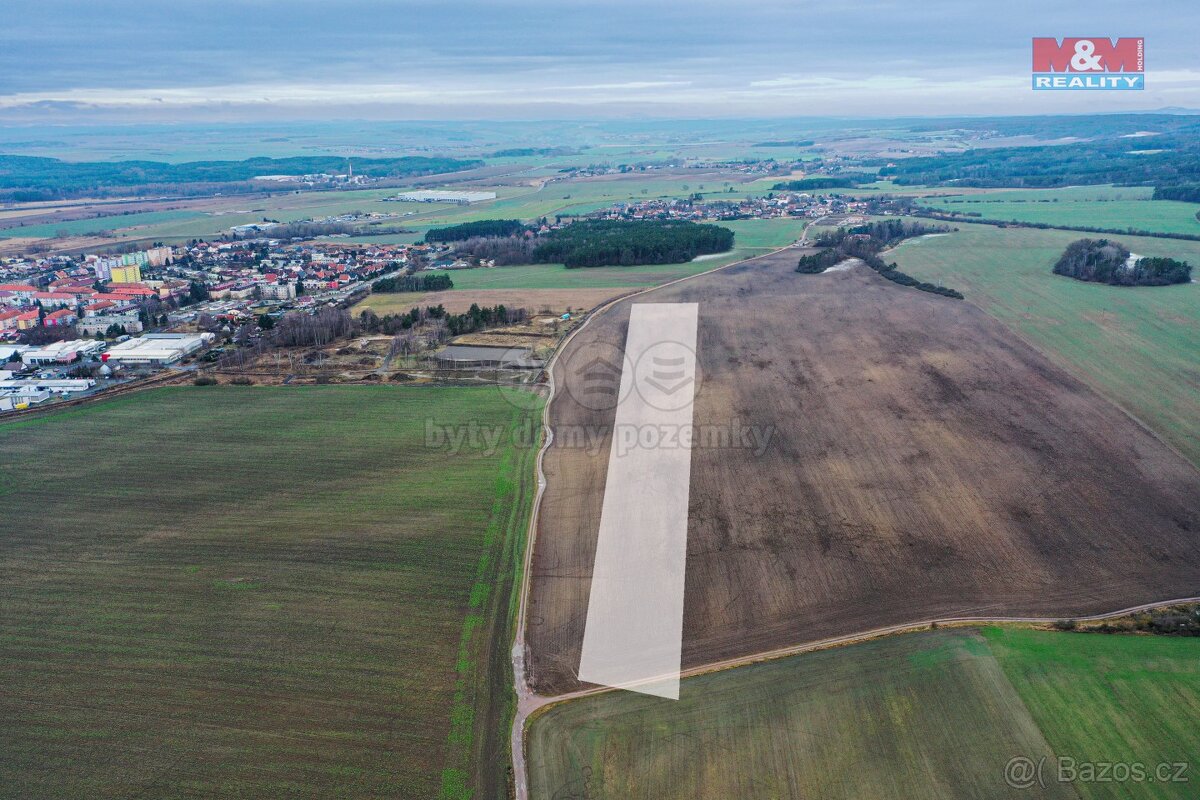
877,236
866,242
597,243
976,217
476,318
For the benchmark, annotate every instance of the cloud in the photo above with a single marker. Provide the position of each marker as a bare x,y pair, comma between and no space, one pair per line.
688,58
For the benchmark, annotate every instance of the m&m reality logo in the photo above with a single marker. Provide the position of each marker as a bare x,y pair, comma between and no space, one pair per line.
1093,62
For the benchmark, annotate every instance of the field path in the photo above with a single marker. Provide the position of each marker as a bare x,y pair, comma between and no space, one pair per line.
527,700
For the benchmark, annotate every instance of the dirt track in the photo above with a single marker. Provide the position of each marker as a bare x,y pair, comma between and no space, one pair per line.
924,463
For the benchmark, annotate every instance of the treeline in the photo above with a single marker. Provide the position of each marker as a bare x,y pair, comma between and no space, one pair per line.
1106,261
933,213
413,283
391,324
598,243
518,152
866,242
475,319
877,236
478,319
1174,160
1059,126
819,262
806,184
503,250
325,326
1173,621
1187,192
60,178
480,228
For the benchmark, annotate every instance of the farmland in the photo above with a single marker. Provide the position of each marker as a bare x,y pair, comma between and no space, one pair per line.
556,288
123,222
931,715
921,463
1111,698
522,195
1118,208
1140,347
257,592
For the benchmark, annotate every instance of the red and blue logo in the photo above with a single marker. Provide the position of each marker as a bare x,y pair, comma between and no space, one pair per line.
1089,63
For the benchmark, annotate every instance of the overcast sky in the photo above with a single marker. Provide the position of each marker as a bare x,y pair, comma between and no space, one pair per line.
265,59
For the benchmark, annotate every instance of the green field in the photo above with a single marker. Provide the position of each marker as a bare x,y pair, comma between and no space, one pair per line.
258,592
144,221
753,237
1110,698
930,715
513,202
1115,207
1140,346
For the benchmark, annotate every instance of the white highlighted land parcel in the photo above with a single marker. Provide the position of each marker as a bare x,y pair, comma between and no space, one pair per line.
634,629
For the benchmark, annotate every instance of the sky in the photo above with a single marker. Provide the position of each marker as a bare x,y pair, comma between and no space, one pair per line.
251,60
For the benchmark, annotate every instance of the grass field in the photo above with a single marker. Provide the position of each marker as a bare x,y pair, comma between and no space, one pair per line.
210,217
117,223
389,302
752,237
930,715
1086,206
513,202
258,592
1109,698
1139,346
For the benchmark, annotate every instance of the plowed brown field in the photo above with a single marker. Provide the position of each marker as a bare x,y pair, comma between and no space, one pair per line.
924,463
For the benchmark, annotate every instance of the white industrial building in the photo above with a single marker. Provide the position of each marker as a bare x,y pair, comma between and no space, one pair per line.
157,348
443,196
62,352
57,385
18,399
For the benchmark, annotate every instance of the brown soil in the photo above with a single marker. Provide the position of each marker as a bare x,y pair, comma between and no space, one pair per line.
925,463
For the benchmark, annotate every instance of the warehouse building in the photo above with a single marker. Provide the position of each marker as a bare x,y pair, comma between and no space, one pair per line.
442,196
157,349
61,352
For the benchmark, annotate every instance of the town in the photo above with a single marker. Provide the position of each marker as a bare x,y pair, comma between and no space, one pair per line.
76,325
